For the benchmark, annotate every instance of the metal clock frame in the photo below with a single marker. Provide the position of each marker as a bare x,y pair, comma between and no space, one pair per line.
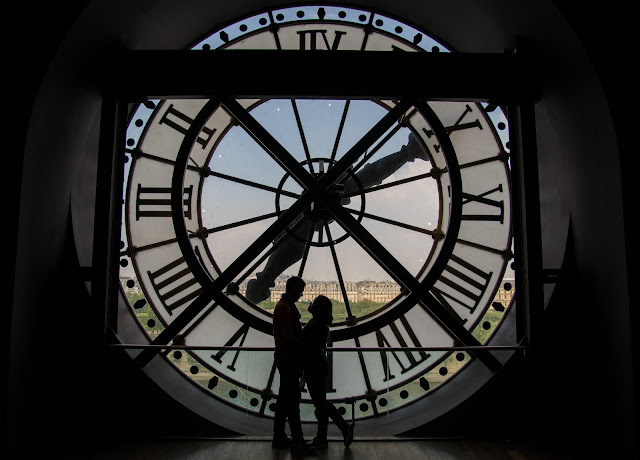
509,87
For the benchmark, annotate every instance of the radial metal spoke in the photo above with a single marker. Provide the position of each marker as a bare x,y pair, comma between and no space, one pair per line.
395,222
303,138
146,247
305,254
236,224
395,183
334,152
334,255
252,184
136,152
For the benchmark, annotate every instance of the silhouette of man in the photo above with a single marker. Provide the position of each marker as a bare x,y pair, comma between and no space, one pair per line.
288,356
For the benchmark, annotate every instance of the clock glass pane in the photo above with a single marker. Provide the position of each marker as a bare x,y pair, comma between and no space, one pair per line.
252,160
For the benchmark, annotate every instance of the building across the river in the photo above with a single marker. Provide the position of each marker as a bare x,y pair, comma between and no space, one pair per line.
376,291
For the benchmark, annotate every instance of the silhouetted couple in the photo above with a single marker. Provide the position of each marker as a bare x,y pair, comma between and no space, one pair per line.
301,351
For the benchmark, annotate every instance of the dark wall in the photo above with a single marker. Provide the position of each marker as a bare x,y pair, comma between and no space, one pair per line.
58,378
34,40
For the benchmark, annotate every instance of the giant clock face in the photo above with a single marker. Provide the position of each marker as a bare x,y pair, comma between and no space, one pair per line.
399,211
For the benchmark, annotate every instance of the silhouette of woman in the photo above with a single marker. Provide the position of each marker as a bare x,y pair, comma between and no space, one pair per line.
316,370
